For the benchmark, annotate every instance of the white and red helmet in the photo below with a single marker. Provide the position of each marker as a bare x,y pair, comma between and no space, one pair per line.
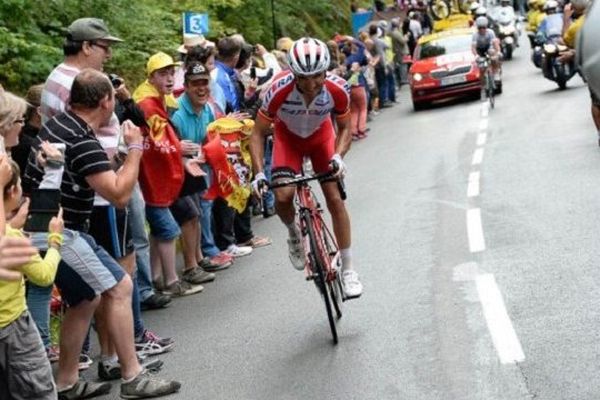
308,56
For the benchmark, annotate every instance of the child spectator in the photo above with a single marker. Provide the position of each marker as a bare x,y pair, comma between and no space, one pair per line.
17,329
162,173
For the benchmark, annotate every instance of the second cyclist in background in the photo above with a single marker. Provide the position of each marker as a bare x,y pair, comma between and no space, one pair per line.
485,43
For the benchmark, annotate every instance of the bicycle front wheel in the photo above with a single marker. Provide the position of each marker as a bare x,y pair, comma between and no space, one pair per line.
318,267
491,89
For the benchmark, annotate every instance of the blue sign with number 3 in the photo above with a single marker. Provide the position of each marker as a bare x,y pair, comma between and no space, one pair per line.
194,23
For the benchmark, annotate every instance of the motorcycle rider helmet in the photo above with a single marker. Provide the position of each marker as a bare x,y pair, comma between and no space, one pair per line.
481,22
588,49
481,12
308,56
551,5
474,6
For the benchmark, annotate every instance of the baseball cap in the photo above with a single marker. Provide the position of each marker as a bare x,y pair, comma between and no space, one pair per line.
90,29
196,71
158,61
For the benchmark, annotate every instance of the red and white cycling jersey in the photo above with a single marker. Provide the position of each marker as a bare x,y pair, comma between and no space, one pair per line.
284,105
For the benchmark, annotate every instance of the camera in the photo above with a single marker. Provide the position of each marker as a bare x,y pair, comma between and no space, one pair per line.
115,80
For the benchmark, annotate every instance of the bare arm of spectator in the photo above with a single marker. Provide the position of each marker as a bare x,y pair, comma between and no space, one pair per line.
116,187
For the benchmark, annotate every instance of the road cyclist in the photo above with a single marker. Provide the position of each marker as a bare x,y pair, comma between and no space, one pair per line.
300,104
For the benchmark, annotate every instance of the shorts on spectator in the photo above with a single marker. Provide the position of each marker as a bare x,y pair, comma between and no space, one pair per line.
186,208
109,226
86,269
25,369
163,225
595,99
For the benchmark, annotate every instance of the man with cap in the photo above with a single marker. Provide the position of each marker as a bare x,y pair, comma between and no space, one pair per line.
162,172
196,111
87,45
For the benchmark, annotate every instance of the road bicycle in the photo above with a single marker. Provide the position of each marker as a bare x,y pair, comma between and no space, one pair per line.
322,255
488,87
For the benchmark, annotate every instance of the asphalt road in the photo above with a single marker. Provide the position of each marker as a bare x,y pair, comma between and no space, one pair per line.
507,309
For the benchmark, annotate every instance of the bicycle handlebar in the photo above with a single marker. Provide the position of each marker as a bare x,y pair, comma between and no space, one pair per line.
308,178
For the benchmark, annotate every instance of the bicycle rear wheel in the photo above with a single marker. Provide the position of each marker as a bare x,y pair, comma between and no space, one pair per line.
318,267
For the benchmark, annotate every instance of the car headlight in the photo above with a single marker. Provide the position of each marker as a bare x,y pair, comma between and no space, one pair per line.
418,77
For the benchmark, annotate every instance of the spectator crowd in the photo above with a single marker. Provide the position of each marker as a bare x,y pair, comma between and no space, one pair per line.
142,174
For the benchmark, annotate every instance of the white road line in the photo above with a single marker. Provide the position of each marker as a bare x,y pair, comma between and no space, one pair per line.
473,187
499,324
483,124
475,230
477,156
485,109
481,139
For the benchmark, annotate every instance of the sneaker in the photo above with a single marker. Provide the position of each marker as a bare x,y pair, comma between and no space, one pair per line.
182,288
108,371
145,386
84,390
352,286
53,354
197,275
85,361
151,344
155,301
238,251
257,241
217,263
296,252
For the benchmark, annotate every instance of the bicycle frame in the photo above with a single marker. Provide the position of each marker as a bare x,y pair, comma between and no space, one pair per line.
309,209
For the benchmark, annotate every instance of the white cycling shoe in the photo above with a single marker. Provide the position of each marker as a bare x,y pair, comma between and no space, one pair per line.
351,285
296,252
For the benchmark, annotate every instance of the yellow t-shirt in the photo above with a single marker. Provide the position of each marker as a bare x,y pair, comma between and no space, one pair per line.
571,33
37,270
532,19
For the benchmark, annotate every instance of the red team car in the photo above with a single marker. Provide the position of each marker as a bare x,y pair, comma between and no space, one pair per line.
444,67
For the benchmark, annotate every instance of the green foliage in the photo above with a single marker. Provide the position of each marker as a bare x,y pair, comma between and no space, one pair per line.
32,32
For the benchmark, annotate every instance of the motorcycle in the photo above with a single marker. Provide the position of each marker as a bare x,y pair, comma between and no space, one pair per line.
506,34
536,50
506,30
555,70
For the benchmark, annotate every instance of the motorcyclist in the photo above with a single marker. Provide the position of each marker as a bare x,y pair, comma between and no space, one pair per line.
536,16
485,43
473,7
573,19
551,26
506,12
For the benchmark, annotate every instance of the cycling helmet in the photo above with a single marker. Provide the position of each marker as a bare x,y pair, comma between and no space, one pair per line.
481,12
308,56
383,24
474,7
588,49
481,22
